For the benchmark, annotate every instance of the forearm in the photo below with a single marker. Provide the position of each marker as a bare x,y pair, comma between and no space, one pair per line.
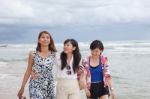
25,79
110,85
28,70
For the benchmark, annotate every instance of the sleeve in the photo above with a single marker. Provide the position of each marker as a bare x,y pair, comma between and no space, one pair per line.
106,69
85,63
80,71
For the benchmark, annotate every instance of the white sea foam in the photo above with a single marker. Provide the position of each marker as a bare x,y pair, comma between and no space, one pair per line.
3,63
2,76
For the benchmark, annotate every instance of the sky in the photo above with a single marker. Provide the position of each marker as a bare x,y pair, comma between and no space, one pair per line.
84,20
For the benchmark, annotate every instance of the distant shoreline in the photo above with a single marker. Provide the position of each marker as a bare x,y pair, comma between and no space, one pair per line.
18,42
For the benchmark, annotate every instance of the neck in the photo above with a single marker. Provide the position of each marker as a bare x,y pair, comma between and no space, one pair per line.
44,49
69,56
95,57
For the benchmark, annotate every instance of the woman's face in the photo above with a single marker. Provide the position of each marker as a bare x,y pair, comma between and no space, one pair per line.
44,40
96,52
68,48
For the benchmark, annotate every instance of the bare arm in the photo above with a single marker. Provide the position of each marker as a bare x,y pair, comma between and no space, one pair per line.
26,75
28,70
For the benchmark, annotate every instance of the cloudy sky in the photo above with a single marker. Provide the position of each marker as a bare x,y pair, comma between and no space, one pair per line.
84,20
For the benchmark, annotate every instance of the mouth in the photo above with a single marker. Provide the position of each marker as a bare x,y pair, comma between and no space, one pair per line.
65,51
45,42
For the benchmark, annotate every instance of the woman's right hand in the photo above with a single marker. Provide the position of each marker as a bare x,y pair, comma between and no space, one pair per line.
88,94
20,93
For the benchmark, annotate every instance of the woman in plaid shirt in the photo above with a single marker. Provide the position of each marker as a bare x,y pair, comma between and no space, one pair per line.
98,79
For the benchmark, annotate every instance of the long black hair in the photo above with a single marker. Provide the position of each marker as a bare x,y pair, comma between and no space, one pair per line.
51,46
76,55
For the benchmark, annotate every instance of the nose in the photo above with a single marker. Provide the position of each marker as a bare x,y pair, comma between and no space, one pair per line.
45,39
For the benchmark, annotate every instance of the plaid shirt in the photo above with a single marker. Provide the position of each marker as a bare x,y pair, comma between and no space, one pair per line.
105,68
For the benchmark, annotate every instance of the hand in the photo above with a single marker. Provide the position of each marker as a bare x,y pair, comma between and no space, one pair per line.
34,75
113,94
82,85
20,93
82,82
88,94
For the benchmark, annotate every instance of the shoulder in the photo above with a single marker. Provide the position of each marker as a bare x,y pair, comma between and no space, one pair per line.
57,56
86,59
104,59
32,53
85,62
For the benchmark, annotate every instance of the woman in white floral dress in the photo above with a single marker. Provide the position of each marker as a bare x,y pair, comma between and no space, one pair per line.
41,62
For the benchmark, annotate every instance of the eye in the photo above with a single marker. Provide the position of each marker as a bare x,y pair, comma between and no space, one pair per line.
42,36
68,45
47,37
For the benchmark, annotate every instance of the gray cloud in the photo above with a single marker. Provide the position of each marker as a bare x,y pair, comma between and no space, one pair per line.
62,12
71,17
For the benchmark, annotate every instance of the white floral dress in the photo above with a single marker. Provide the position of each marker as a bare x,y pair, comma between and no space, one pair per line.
42,87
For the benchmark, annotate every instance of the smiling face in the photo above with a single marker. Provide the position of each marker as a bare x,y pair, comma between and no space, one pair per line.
96,52
68,48
96,48
44,39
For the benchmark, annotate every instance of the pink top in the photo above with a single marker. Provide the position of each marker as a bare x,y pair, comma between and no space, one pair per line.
105,69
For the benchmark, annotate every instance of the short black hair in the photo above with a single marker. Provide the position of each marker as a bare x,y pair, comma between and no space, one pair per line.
96,44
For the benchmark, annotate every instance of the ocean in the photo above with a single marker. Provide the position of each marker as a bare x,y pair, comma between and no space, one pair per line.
129,65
